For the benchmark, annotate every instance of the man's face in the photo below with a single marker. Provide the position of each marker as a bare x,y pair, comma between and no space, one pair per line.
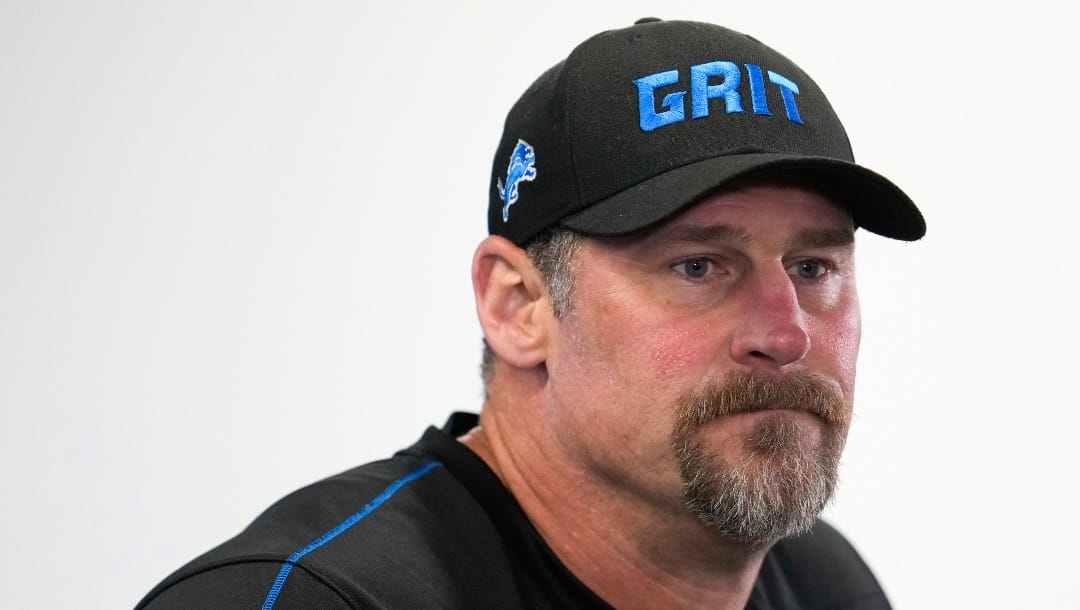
710,363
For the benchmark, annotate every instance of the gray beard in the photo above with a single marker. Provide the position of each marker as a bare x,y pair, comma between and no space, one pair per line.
782,484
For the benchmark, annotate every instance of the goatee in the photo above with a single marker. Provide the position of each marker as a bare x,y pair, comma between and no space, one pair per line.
785,477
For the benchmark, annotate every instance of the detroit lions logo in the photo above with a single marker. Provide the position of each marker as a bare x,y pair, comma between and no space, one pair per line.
521,168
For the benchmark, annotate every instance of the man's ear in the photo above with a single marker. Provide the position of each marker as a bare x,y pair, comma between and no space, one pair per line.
511,302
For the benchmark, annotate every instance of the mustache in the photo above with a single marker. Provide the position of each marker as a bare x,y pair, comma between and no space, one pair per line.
746,392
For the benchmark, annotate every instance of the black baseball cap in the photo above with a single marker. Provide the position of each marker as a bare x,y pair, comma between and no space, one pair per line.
640,123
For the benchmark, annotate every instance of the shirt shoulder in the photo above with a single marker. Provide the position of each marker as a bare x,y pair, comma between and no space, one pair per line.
399,533
244,585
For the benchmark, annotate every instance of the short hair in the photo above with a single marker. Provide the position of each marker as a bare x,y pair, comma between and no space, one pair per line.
554,254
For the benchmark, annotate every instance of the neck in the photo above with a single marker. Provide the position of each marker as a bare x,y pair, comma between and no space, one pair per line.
631,552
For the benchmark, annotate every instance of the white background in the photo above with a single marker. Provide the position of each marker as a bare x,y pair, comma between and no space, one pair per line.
235,240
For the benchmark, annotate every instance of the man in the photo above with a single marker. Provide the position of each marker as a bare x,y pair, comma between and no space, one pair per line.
671,328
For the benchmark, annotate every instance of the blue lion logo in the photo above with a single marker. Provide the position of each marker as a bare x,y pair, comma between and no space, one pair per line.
521,168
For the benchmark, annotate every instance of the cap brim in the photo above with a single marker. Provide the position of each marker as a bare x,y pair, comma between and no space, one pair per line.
875,203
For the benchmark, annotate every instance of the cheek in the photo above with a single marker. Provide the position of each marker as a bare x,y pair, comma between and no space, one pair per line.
641,347
673,350
837,345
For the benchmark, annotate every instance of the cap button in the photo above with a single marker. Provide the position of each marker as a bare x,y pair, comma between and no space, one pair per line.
647,20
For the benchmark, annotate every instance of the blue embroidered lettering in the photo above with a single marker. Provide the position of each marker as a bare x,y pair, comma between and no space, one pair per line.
701,92
673,102
789,90
757,90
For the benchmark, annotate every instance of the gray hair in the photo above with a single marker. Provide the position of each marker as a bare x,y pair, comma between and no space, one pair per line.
554,254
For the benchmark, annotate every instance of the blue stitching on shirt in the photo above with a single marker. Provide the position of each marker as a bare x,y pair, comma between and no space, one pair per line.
279,582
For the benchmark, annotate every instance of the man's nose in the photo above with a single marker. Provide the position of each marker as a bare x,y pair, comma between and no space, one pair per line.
773,332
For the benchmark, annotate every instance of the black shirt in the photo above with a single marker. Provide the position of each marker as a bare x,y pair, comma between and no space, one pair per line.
433,527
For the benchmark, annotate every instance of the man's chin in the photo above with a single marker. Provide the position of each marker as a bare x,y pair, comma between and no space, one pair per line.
758,455
762,498
770,481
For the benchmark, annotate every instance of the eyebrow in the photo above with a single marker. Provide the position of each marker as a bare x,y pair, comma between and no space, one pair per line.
825,238
705,234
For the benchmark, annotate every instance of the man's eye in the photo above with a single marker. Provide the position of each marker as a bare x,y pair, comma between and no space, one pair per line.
695,267
810,269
